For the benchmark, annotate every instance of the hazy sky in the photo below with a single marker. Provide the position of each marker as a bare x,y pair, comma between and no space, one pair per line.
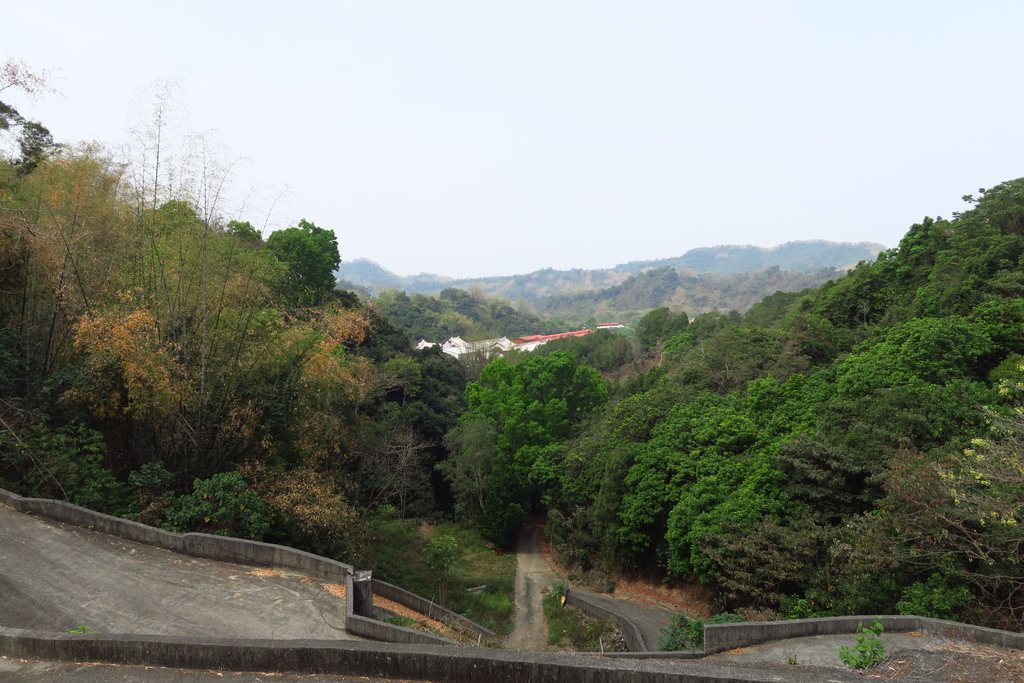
475,138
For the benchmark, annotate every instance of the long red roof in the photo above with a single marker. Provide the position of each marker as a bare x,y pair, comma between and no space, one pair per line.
549,337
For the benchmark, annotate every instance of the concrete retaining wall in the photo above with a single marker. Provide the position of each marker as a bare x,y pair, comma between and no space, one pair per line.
380,630
723,637
352,659
630,632
431,609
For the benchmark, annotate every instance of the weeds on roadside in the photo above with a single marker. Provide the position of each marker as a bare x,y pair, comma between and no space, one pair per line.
684,633
566,628
868,651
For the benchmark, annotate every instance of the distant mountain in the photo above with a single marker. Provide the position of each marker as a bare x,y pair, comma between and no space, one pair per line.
791,256
806,256
678,291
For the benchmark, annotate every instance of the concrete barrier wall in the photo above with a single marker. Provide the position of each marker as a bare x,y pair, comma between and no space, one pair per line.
207,546
431,609
373,660
380,630
723,637
390,633
630,632
107,524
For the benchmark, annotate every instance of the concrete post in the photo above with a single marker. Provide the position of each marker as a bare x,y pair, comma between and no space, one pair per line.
362,593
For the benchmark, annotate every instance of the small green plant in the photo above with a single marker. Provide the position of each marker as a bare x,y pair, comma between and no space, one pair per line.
399,620
795,607
83,629
684,633
868,651
791,660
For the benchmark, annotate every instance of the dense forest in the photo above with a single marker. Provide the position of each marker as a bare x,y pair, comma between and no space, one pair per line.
850,448
458,313
847,449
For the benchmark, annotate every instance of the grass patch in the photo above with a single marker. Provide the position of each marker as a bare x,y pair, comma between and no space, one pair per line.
568,630
395,550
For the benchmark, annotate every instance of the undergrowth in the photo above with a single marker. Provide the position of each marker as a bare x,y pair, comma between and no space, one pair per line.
395,550
568,630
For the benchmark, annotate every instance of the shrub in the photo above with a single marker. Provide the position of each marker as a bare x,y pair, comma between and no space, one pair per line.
222,505
935,598
65,463
684,633
567,628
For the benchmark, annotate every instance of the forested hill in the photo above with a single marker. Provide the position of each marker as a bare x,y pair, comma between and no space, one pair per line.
720,260
666,288
852,449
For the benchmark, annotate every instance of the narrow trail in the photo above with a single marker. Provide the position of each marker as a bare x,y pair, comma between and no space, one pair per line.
534,580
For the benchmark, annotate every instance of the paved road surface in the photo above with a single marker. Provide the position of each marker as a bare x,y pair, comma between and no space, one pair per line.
19,671
650,619
56,577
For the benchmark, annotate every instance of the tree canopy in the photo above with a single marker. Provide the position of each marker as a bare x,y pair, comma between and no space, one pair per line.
310,256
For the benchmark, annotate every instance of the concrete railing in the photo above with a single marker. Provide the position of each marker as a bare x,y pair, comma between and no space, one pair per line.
723,637
630,631
243,551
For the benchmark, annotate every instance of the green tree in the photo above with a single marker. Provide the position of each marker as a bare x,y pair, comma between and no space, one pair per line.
245,232
535,406
442,556
472,452
310,256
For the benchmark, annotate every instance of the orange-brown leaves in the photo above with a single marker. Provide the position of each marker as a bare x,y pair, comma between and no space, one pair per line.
309,504
130,371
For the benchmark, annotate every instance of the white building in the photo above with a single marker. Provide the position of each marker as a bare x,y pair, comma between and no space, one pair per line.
457,346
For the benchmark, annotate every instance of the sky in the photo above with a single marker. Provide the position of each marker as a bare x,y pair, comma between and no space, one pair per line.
473,138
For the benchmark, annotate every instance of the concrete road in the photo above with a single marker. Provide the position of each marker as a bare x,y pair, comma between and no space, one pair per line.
649,619
21,670
55,577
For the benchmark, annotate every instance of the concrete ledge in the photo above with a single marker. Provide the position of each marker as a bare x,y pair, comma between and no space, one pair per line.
630,632
431,609
375,660
723,637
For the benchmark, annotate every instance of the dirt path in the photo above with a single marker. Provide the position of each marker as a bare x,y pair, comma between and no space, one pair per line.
534,579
